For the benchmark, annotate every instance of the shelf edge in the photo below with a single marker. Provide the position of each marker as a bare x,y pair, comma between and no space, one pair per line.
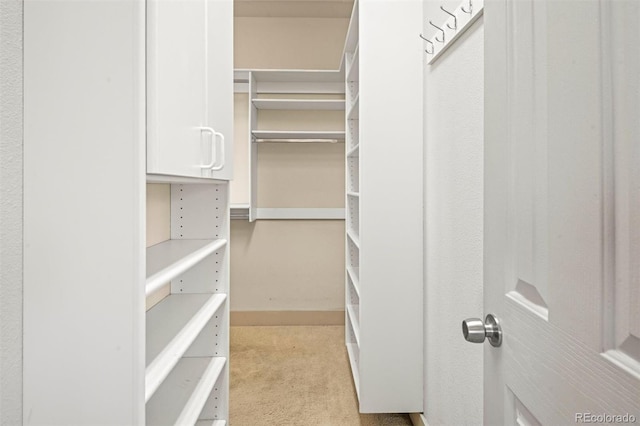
355,323
157,280
198,398
161,366
354,279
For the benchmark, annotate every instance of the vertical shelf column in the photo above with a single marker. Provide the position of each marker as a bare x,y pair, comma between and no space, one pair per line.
384,282
352,202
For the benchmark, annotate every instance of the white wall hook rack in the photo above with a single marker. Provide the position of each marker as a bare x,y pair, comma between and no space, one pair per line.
451,29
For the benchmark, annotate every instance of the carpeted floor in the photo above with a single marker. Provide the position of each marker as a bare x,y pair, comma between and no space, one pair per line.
295,375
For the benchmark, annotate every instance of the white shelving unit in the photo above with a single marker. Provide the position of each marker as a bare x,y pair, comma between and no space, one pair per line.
288,90
94,120
187,333
384,283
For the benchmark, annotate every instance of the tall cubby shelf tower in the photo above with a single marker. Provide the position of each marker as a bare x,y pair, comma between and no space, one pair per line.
118,94
384,193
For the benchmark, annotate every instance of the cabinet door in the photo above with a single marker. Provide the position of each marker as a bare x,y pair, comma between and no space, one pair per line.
176,87
219,73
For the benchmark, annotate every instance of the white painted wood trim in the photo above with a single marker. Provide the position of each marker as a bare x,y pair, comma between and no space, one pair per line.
418,419
198,399
174,257
161,366
301,213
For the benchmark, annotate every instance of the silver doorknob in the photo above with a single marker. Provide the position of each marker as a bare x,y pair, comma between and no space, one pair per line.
475,331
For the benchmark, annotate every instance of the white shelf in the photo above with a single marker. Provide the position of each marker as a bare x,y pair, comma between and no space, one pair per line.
290,81
354,273
352,39
301,104
321,213
353,194
354,70
196,402
239,211
211,423
353,237
353,351
162,322
298,135
354,111
179,392
352,311
295,76
354,152
167,260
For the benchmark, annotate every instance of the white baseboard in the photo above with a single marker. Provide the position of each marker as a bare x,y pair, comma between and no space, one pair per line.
418,419
246,318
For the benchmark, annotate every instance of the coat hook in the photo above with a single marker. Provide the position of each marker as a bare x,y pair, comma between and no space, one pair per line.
441,30
455,19
470,11
430,42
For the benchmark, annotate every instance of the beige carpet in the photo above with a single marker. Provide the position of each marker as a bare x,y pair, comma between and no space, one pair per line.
295,375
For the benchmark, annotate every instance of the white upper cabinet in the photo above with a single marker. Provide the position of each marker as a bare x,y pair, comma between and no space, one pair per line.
190,88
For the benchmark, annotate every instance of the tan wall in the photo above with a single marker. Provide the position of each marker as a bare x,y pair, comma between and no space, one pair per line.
287,265
158,226
240,183
289,43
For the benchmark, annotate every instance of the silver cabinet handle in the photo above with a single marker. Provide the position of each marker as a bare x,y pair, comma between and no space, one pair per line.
475,331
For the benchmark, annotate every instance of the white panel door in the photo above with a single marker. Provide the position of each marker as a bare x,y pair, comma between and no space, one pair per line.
562,211
189,87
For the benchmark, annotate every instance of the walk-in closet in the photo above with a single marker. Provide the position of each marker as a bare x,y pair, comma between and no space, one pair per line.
319,212
242,196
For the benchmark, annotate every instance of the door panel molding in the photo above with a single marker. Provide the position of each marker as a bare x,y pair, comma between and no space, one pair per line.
621,224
